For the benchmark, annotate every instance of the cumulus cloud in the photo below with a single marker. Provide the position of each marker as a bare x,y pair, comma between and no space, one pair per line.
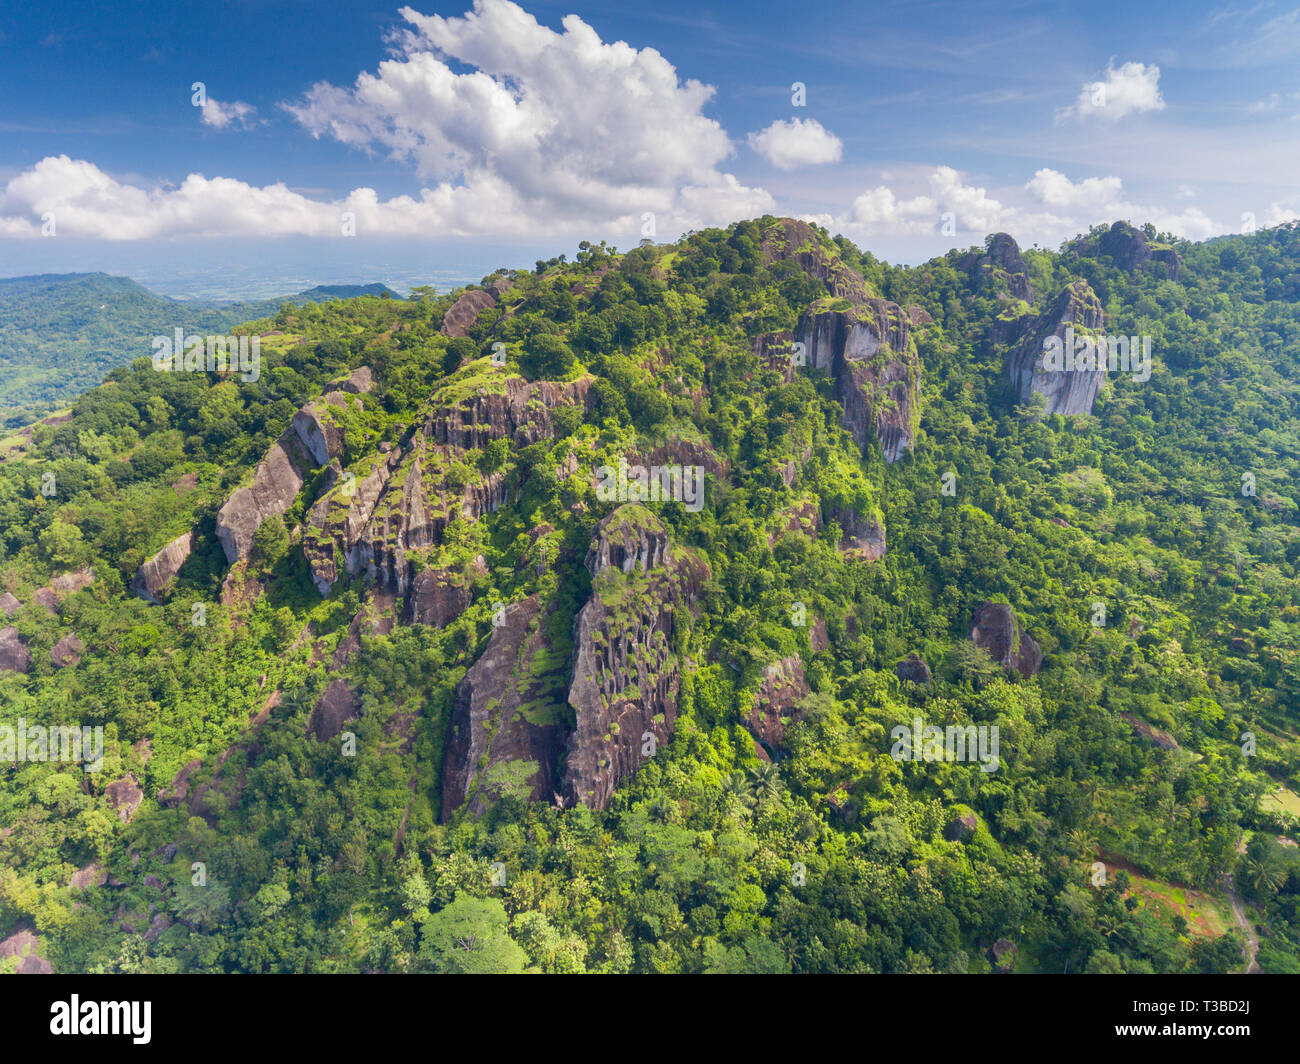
576,129
533,133
799,142
1130,89
237,114
1048,209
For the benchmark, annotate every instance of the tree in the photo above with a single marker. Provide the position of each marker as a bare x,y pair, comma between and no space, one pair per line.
546,357
470,937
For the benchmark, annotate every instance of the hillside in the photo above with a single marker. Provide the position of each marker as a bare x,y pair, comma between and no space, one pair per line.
398,670
60,333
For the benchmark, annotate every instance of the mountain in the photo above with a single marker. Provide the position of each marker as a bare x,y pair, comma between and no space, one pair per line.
60,333
741,604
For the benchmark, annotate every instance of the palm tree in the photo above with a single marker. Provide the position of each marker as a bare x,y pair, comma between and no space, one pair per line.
767,780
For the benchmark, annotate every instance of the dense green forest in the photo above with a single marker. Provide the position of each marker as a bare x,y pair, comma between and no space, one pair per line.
60,333
433,766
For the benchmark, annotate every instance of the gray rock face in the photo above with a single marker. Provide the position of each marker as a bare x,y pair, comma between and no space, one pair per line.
153,577
624,543
1076,314
14,655
336,706
501,719
465,311
276,483
998,631
67,651
863,537
625,674
869,355
436,599
9,605
1130,250
783,687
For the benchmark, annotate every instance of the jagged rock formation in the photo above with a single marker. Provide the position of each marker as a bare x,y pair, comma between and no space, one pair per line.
1000,268
775,704
402,503
913,669
997,630
625,674
276,483
1074,315
154,576
507,724
14,655
869,355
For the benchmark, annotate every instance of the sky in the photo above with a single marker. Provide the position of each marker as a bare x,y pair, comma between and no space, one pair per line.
257,146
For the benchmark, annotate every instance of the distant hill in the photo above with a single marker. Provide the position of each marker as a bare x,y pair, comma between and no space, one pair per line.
60,333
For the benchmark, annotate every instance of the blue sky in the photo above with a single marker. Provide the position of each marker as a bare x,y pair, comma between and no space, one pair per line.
447,138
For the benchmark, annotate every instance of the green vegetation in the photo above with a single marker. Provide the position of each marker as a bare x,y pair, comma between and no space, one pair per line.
835,858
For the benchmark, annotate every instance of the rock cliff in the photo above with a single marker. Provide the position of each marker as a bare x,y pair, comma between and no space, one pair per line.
154,577
1073,317
625,672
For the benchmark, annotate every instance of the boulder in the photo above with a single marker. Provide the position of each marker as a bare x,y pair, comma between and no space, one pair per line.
124,796
913,669
154,577
462,315
997,630
9,605
67,651
14,655
276,483
23,944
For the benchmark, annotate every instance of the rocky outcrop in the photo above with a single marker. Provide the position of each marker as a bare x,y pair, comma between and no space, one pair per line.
67,651
9,605
437,598
625,674
861,537
799,242
783,687
913,669
997,630
125,796
1161,738
1042,359
276,483
462,315
179,789
336,705
154,577
519,412
868,351
1000,269
23,944
14,655
508,722
1128,248
961,827
316,423
629,538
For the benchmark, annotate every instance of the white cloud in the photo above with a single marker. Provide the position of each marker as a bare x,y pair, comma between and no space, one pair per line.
579,132
1048,209
1131,89
225,115
799,142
